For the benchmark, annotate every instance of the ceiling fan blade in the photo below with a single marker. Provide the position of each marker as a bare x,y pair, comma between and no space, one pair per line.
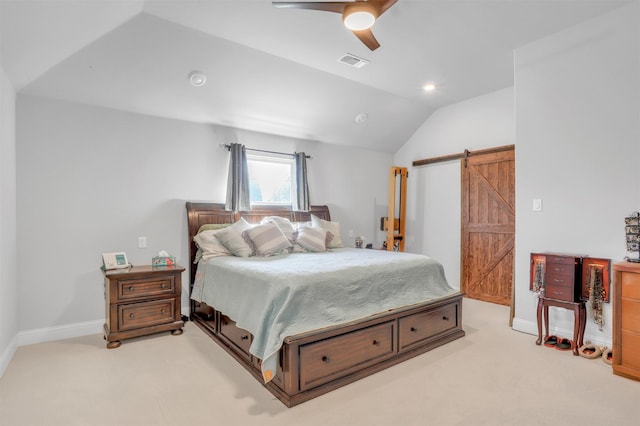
384,5
367,37
331,6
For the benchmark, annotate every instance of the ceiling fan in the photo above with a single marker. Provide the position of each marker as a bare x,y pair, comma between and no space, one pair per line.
357,15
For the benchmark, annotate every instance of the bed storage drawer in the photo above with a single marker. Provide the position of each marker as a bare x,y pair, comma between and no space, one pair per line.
240,338
145,314
335,357
417,328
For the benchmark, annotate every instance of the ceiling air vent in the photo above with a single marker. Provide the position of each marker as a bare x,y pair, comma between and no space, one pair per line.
353,61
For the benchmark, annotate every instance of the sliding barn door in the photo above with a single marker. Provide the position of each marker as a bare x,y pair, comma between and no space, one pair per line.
488,226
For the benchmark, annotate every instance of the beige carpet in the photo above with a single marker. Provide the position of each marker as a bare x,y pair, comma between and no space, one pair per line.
492,376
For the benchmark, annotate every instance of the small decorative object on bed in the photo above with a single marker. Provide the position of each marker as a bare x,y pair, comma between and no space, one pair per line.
305,315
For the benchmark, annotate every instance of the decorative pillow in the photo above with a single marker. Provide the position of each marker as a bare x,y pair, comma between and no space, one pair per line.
209,246
312,238
333,227
267,239
283,223
231,238
212,227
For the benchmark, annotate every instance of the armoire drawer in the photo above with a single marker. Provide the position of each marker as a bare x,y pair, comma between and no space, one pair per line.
559,292
334,357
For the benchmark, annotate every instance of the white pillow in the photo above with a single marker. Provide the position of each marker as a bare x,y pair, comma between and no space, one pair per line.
333,227
231,238
267,239
312,238
210,245
283,223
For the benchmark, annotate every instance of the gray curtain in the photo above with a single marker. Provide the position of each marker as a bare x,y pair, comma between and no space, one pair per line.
301,198
238,181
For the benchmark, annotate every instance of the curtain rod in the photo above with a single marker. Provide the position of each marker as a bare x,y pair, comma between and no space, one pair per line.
464,154
228,147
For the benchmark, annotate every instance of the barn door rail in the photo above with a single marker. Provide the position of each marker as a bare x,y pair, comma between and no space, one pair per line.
466,154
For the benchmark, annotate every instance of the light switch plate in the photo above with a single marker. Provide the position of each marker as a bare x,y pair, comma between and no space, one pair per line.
537,205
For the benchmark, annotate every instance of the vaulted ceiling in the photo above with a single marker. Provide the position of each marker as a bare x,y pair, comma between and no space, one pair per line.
275,70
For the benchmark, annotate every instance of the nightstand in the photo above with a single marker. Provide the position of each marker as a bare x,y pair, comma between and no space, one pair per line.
142,300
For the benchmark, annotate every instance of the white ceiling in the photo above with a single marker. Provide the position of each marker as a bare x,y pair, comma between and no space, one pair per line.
275,70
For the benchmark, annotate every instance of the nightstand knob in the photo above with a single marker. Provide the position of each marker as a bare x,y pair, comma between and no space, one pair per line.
131,288
413,329
164,311
132,316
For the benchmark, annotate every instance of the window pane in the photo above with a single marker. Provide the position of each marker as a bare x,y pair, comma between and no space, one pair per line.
270,180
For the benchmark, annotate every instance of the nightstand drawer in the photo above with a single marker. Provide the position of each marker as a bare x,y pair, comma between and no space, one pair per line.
145,314
145,287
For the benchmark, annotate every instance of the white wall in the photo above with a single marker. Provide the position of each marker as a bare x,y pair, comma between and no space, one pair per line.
91,180
8,289
433,191
577,108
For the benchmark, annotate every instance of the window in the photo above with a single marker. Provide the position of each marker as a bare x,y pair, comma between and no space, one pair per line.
270,179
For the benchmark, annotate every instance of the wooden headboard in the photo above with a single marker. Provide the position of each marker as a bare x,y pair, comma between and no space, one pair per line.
199,214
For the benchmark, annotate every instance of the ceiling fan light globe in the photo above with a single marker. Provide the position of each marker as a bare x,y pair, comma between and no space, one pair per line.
358,20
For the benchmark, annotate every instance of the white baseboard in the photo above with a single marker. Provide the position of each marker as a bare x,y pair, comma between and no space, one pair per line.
531,327
68,331
7,354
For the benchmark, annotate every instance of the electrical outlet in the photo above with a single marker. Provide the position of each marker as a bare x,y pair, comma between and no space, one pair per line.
142,242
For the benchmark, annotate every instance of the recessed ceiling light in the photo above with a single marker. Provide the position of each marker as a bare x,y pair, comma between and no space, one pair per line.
361,118
197,78
429,87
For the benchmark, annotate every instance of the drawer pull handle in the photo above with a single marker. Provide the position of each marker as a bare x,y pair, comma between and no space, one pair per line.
164,311
376,343
558,269
557,292
558,281
326,359
445,318
131,288
244,337
132,316
413,329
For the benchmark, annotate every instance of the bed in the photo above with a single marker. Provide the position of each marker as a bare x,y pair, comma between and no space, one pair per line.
300,350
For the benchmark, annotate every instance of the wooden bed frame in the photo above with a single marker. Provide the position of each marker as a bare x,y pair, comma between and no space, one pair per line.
319,361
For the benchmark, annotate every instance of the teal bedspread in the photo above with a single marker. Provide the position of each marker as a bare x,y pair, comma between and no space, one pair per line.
279,296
